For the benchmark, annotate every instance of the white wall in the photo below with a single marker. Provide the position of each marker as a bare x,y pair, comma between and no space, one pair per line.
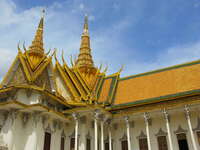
19,136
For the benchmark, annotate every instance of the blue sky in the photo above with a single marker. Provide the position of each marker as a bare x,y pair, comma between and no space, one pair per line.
143,35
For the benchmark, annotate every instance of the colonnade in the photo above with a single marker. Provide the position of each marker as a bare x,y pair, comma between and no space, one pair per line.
147,120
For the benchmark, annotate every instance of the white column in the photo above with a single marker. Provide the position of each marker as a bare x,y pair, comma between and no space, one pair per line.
96,131
110,138
76,130
128,132
166,116
102,135
146,118
12,116
109,133
187,112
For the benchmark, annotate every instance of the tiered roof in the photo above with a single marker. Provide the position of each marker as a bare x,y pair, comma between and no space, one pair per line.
83,84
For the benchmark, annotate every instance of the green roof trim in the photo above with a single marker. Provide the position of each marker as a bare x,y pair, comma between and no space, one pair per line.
161,70
155,99
112,89
101,82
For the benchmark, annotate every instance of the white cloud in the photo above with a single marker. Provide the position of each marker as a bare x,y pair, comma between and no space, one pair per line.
168,57
63,30
81,6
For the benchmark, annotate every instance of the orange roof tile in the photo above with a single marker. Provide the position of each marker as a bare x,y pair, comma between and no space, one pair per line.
176,79
105,90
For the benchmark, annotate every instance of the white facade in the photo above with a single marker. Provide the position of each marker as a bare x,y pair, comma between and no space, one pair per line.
25,130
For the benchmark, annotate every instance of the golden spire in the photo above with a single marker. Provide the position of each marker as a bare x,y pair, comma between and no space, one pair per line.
37,44
84,61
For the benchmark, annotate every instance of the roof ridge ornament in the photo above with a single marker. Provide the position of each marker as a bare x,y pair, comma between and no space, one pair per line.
85,29
85,61
36,47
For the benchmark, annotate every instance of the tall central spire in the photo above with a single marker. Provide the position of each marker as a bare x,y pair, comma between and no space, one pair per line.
37,44
35,52
84,61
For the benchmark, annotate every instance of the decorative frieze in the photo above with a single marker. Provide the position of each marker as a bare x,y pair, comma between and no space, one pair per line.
161,133
180,130
25,118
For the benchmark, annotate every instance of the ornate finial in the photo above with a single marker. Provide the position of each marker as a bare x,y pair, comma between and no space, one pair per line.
24,47
84,60
55,56
18,47
85,29
63,59
37,44
121,69
71,61
43,12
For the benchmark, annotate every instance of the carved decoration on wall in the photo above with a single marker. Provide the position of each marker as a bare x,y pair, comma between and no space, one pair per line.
88,136
123,138
161,133
48,129
13,115
36,118
63,134
142,135
25,117
198,125
180,130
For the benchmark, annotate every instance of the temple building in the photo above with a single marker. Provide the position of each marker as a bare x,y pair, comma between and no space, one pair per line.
53,105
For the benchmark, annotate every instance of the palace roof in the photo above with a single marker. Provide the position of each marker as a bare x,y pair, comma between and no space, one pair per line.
84,84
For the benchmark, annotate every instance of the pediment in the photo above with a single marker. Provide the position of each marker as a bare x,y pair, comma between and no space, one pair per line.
21,73
32,74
